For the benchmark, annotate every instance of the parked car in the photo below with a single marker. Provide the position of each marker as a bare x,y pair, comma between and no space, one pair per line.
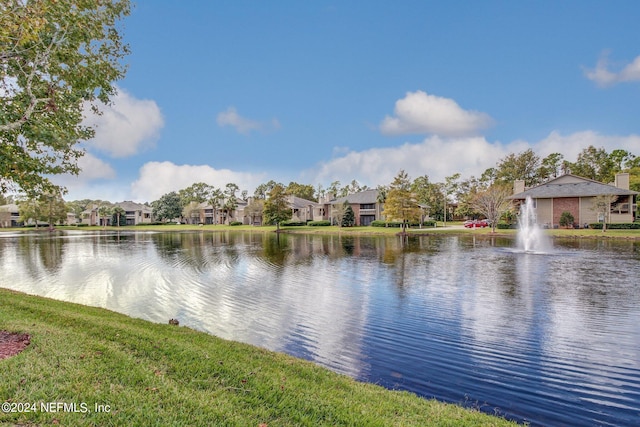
476,223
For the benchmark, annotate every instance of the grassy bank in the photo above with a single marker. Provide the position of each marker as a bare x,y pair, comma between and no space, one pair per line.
451,228
139,373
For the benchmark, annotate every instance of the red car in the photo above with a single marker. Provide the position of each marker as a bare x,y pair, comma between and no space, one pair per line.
476,223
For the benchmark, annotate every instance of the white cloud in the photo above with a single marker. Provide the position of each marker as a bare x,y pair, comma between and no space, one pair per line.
604,77
435,156
127,126
421,113
92,168
440,157
84,184
571,145
158,178
245,126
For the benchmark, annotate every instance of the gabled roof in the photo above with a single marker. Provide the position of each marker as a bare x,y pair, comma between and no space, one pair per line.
299,203
571,186
359,198
130,206
11,207
206,205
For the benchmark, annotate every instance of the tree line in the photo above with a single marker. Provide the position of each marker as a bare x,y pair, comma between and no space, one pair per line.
405,199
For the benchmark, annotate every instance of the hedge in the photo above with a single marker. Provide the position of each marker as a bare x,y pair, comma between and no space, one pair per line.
292,223
234,223
505,226
322,223
378,223
623,226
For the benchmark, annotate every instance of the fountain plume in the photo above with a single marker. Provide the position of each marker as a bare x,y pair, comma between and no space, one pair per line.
531,238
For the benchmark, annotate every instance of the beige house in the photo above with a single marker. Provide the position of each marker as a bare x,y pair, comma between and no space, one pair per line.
202,213
301,209
135,213
574,194
89,216
9,216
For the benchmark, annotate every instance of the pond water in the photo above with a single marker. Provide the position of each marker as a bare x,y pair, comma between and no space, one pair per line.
551,339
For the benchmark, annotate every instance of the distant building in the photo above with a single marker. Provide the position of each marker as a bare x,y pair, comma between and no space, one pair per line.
89,216
136,213
575,194
10,216
365,205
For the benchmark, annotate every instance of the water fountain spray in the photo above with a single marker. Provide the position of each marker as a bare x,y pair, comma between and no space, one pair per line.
531,238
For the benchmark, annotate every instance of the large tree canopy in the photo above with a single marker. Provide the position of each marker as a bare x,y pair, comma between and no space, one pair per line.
276,208
56,58
401,204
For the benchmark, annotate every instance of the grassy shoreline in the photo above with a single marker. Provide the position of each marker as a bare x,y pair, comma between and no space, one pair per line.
141,373
450,229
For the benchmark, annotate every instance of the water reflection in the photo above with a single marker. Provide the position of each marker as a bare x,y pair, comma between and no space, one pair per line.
552,339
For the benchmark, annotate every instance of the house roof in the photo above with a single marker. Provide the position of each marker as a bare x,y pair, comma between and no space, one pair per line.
571,186
206,205
11,207
299,203
359,198
130,206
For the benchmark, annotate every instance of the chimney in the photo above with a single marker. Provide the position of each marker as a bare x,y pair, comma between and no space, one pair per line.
518,186
622,181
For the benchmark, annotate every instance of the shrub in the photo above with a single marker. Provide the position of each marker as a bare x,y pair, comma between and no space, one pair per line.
505,226
82,224
292,223
566,219
397,224
624,226
234,223
322,223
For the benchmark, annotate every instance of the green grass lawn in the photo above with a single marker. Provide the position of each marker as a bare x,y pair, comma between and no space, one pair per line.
140,373
451,228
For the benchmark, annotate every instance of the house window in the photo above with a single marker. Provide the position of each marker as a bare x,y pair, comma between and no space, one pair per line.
368,206
620,208
367,219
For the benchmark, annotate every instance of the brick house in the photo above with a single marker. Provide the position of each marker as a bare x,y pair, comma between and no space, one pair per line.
365,205
575,194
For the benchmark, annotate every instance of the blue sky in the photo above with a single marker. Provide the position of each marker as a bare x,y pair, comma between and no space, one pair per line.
248,91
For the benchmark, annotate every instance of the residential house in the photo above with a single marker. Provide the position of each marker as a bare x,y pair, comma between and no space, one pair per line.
365,205
574,194
89,216
203,214
10,216
136,213
71,219
301,209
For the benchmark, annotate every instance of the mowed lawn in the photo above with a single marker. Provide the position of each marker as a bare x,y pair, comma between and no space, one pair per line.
95,367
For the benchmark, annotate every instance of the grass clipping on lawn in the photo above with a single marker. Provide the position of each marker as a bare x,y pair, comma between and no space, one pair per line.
140,373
